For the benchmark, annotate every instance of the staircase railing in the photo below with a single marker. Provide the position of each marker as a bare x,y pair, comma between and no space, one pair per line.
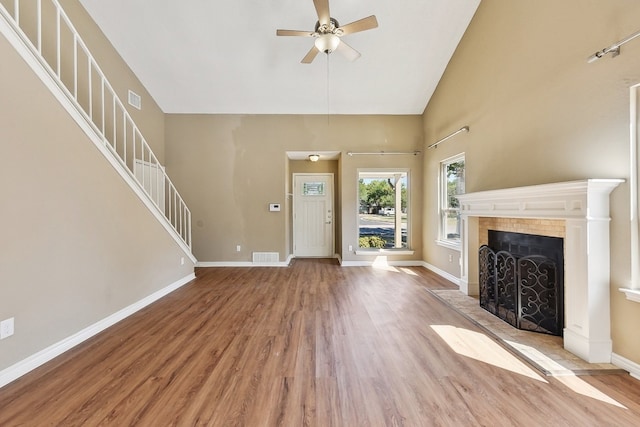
48,32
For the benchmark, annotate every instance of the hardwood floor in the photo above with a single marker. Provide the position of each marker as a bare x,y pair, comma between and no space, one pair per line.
314,344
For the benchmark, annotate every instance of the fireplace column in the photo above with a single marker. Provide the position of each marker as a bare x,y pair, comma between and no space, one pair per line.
587,298
584,206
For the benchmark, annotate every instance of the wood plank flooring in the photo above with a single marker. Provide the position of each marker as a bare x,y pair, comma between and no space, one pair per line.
314,344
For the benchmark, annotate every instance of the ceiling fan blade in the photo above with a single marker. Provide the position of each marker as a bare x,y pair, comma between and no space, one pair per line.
310,56
363,24
322,8
298,33
350,53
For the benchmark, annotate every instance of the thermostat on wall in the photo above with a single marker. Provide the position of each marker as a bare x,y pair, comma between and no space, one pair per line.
274,207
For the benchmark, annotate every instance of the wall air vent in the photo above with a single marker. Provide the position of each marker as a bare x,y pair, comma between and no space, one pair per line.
135,100
266,257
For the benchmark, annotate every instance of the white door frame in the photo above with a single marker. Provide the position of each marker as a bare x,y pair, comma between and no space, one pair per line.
330,177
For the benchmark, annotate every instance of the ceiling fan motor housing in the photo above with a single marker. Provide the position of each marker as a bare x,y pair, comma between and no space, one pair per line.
331,28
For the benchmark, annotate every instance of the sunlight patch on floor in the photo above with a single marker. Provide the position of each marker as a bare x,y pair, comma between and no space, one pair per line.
564,375
408,271
480,347
381,263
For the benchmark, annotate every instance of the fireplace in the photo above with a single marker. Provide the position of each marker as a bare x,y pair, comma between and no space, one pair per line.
583,208
521,280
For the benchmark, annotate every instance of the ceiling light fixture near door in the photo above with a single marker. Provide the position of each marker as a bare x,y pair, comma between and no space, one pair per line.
314,157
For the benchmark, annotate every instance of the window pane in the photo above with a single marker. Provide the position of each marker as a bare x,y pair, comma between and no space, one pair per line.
455,182
452,225
313,189
382,217
452,185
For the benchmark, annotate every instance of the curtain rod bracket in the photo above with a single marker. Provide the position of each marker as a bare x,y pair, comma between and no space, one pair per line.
614,49
435,144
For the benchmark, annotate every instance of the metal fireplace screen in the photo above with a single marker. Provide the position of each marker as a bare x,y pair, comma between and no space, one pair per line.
521,280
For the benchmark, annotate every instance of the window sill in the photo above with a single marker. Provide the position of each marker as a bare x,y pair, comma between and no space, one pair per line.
384,252
632,294
456,246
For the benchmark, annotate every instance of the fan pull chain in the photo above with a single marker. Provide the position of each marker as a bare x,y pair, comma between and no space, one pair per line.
328,103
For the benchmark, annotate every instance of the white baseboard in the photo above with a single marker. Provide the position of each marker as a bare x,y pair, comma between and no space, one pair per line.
632,367
450,277
35,360
242,264
389,263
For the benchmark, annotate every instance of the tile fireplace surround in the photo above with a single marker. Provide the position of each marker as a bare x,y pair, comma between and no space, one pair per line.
583,206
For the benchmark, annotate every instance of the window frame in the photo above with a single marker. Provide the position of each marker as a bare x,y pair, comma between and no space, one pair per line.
443,207
384,171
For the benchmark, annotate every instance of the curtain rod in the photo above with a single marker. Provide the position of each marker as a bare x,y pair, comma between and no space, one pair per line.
383,153
462,129
614,49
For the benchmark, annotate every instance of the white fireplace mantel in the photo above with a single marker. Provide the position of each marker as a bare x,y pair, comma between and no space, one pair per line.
584,205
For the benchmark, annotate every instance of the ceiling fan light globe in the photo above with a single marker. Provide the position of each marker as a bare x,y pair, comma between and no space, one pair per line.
327,43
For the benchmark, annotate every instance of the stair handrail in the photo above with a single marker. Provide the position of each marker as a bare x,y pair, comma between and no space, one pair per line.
126,143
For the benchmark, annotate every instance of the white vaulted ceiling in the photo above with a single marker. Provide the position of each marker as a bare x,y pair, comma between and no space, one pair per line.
223,57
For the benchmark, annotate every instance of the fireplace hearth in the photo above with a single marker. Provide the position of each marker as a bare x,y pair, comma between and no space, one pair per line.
521,280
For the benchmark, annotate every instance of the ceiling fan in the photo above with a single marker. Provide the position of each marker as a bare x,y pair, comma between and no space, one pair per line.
328,32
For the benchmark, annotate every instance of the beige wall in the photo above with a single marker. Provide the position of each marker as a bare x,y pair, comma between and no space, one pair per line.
68,255
230,167
539,113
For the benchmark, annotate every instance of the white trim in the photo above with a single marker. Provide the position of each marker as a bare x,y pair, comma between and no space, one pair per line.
450,277
227,264
295,196
50,83
410,263
634,189
244,263
632,367
562,200
449,244
631,294
385,252
35,360
587,348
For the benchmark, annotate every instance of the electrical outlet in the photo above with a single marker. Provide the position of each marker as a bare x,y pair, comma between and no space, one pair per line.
350,248
450,258
181,260
6,328
238,248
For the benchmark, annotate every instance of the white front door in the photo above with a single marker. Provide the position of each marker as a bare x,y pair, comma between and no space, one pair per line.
313,215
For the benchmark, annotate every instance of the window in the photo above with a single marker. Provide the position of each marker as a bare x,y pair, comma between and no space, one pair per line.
451,185
383,209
